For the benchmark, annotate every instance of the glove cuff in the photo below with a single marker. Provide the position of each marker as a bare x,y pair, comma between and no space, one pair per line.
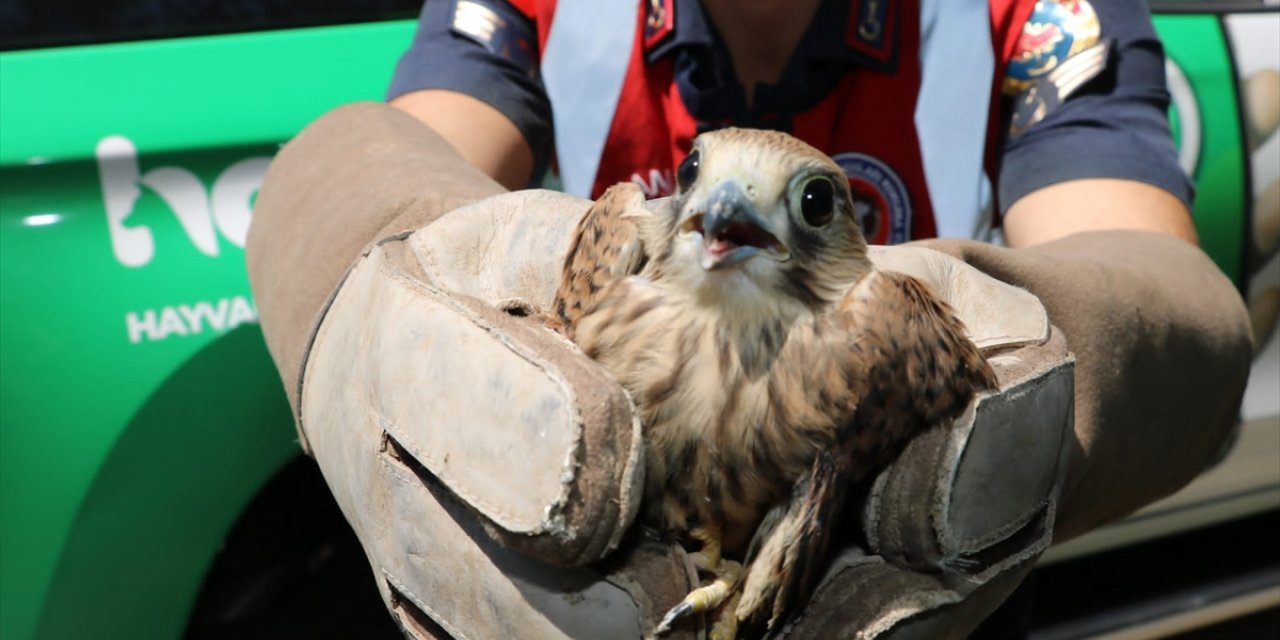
358,174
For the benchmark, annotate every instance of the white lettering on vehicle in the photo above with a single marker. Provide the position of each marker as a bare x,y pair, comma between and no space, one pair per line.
226,209
218,316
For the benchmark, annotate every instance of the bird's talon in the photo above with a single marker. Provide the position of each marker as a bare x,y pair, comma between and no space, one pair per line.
678,612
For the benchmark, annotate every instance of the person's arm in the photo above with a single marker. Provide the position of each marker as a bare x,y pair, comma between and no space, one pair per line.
479,88
1088,146
1095,204
482,134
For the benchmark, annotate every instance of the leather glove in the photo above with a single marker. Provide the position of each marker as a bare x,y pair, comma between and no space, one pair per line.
492,472
451,432
1164,347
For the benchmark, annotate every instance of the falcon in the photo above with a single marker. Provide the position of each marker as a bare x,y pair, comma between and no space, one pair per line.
771,365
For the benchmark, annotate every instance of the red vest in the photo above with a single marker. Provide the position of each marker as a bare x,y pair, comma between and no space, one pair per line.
870,123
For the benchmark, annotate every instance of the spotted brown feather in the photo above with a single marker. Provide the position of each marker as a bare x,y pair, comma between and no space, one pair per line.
614,239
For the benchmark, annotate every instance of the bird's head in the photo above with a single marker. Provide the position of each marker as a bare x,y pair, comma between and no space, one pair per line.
762,216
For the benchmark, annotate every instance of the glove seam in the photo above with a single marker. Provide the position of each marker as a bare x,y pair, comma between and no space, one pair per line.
317,326
418,602
551,512
633,468
313,335
970,545
948,469
499,515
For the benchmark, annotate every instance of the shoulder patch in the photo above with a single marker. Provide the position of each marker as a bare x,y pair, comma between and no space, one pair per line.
500,28
872,28
659,21
1048,92
1056,31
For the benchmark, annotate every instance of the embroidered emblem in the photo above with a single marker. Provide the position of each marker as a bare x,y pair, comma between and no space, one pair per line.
1056,31
881,201
872,27
506,38
659,21
1050,91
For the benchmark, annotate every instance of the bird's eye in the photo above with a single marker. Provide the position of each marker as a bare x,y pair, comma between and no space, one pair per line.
687,172
817,201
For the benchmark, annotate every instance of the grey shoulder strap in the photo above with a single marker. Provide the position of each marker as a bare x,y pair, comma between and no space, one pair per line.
583,66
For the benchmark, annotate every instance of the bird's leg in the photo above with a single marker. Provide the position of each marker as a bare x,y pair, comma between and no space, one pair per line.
726,574
726,626
707,558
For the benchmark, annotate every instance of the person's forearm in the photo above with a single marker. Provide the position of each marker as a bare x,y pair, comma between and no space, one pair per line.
489,140
1095,204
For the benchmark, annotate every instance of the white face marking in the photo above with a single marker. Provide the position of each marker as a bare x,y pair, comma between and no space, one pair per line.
746,293
732,273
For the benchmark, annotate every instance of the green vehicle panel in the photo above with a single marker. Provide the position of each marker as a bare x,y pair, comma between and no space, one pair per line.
1197,46
139,410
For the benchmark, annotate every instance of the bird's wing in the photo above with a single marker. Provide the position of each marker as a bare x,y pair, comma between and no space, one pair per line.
607,246
908,366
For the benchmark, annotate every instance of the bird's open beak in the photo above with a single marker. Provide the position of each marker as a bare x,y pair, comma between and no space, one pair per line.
732,231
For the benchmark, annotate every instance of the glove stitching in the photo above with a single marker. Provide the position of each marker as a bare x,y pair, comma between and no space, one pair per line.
892,525
871,512
315,332
390,466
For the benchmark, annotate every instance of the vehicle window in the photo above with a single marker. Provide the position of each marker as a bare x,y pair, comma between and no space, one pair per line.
29,24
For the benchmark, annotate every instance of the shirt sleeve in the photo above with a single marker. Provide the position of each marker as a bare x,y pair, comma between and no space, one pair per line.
486,49
1114,126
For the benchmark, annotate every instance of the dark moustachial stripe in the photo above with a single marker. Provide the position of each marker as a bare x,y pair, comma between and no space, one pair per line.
797,283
